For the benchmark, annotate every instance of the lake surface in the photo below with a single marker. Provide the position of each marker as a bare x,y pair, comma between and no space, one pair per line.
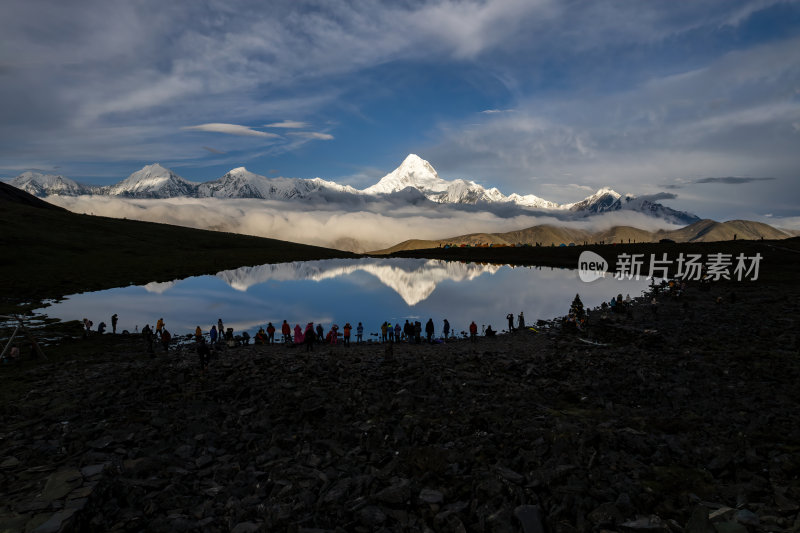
370,291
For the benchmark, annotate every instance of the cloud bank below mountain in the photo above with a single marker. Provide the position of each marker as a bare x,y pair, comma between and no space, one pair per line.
375,225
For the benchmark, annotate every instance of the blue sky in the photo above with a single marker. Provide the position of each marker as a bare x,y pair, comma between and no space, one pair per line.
554,98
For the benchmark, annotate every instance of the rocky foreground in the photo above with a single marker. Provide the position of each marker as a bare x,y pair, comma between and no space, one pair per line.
683,420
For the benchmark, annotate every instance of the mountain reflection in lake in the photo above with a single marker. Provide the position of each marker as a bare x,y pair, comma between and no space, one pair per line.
347,290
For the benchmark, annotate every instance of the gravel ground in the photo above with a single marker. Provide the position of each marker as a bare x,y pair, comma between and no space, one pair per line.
682,420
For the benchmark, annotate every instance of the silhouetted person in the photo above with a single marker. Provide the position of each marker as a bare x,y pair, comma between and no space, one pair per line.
309,339
165,338
286,331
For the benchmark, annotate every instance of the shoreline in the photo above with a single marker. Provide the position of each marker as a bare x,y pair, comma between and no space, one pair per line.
668,419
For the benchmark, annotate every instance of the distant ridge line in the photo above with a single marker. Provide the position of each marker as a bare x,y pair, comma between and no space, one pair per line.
705,230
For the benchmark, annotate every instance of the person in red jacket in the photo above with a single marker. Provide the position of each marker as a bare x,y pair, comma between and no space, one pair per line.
165,339
286,330
473,331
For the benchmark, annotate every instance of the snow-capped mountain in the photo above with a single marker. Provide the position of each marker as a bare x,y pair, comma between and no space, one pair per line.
418,174
39,184
241,183
606,199
238,183
415,182
530,200
413,172
153,181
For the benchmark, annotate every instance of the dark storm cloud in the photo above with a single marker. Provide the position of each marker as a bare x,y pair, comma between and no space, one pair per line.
658,196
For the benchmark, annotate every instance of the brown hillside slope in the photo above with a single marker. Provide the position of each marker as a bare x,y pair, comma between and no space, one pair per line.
546,234
624,234
711,231
549,235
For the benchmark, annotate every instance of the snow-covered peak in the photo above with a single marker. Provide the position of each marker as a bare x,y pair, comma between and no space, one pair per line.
149,175
604,191
236,183
608,190
153,180
531,200
412,172
604,197
39,184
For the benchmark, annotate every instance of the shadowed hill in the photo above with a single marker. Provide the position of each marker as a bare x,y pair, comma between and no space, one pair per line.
11,195
49,251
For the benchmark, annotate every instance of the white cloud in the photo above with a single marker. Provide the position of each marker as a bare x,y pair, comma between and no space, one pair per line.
293,124
96,81
313,135
467,29
735,116
231,129
368,226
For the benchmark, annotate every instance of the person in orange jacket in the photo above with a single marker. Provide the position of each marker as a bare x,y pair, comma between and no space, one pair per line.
473,331
346,334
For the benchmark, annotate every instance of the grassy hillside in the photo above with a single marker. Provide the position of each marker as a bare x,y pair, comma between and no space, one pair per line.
52,252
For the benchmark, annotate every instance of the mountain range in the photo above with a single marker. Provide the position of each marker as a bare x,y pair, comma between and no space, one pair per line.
415,181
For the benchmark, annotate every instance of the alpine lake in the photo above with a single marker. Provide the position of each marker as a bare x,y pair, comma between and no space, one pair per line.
369,290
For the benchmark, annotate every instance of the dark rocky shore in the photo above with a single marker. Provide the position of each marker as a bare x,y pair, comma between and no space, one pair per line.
684,420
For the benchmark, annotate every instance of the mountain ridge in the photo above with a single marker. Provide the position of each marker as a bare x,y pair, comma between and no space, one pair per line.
414,181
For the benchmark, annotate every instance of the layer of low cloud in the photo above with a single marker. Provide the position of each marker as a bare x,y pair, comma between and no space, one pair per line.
369,226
